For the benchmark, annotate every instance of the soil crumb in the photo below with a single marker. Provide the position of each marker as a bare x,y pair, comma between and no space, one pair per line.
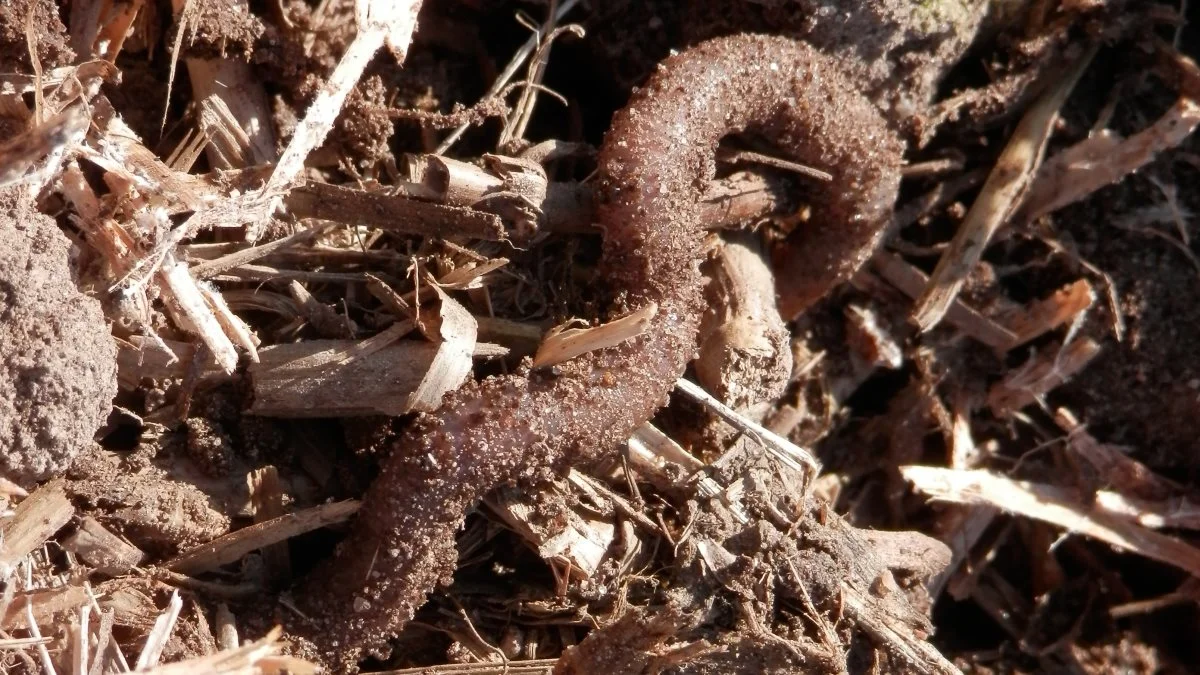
50,35
57,360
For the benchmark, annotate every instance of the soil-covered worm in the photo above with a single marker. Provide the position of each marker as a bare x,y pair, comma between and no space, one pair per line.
656,158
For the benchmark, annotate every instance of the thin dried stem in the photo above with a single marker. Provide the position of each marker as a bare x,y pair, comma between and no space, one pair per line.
1002,194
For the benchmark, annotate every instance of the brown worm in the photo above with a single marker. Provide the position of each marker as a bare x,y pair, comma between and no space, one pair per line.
656,158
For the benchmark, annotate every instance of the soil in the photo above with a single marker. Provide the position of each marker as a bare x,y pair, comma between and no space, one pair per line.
51,34
58,363
757,578
1157,414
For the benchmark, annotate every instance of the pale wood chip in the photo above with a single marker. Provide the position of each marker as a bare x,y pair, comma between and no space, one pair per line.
1054,505
234,114
266,496
564,344
227,632
103,550
1040,375
342,378
649,442
961,527
395,213
1061,308
1156,514
236,330
82,642
115,26
468,277
37,518
455,333
142,358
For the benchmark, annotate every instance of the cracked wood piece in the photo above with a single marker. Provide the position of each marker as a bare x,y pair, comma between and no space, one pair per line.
38,516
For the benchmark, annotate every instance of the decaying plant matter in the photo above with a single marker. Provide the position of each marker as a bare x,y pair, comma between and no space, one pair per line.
278,324
519,427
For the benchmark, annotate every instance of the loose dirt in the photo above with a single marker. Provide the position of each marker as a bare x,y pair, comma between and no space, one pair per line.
58,362
708,549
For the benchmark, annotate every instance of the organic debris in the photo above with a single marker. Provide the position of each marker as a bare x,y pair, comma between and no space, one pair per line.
318,358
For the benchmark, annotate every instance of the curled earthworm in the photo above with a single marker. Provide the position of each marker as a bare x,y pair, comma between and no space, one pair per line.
655,160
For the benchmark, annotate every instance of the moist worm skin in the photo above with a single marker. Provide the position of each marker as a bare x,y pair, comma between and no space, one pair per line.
656,158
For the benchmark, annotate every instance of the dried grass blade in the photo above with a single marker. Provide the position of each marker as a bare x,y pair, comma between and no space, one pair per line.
795,457
164,625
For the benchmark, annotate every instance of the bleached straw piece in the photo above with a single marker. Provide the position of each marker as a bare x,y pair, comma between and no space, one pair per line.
36,632
1054,505
795,457
164,625
193,313
379,22
79,656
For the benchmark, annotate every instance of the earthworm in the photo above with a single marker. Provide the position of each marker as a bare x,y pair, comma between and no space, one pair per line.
655,160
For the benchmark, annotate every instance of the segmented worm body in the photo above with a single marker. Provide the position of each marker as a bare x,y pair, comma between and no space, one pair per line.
655,160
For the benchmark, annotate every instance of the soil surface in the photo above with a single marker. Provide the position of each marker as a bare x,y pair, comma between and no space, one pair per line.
486,540
58,363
